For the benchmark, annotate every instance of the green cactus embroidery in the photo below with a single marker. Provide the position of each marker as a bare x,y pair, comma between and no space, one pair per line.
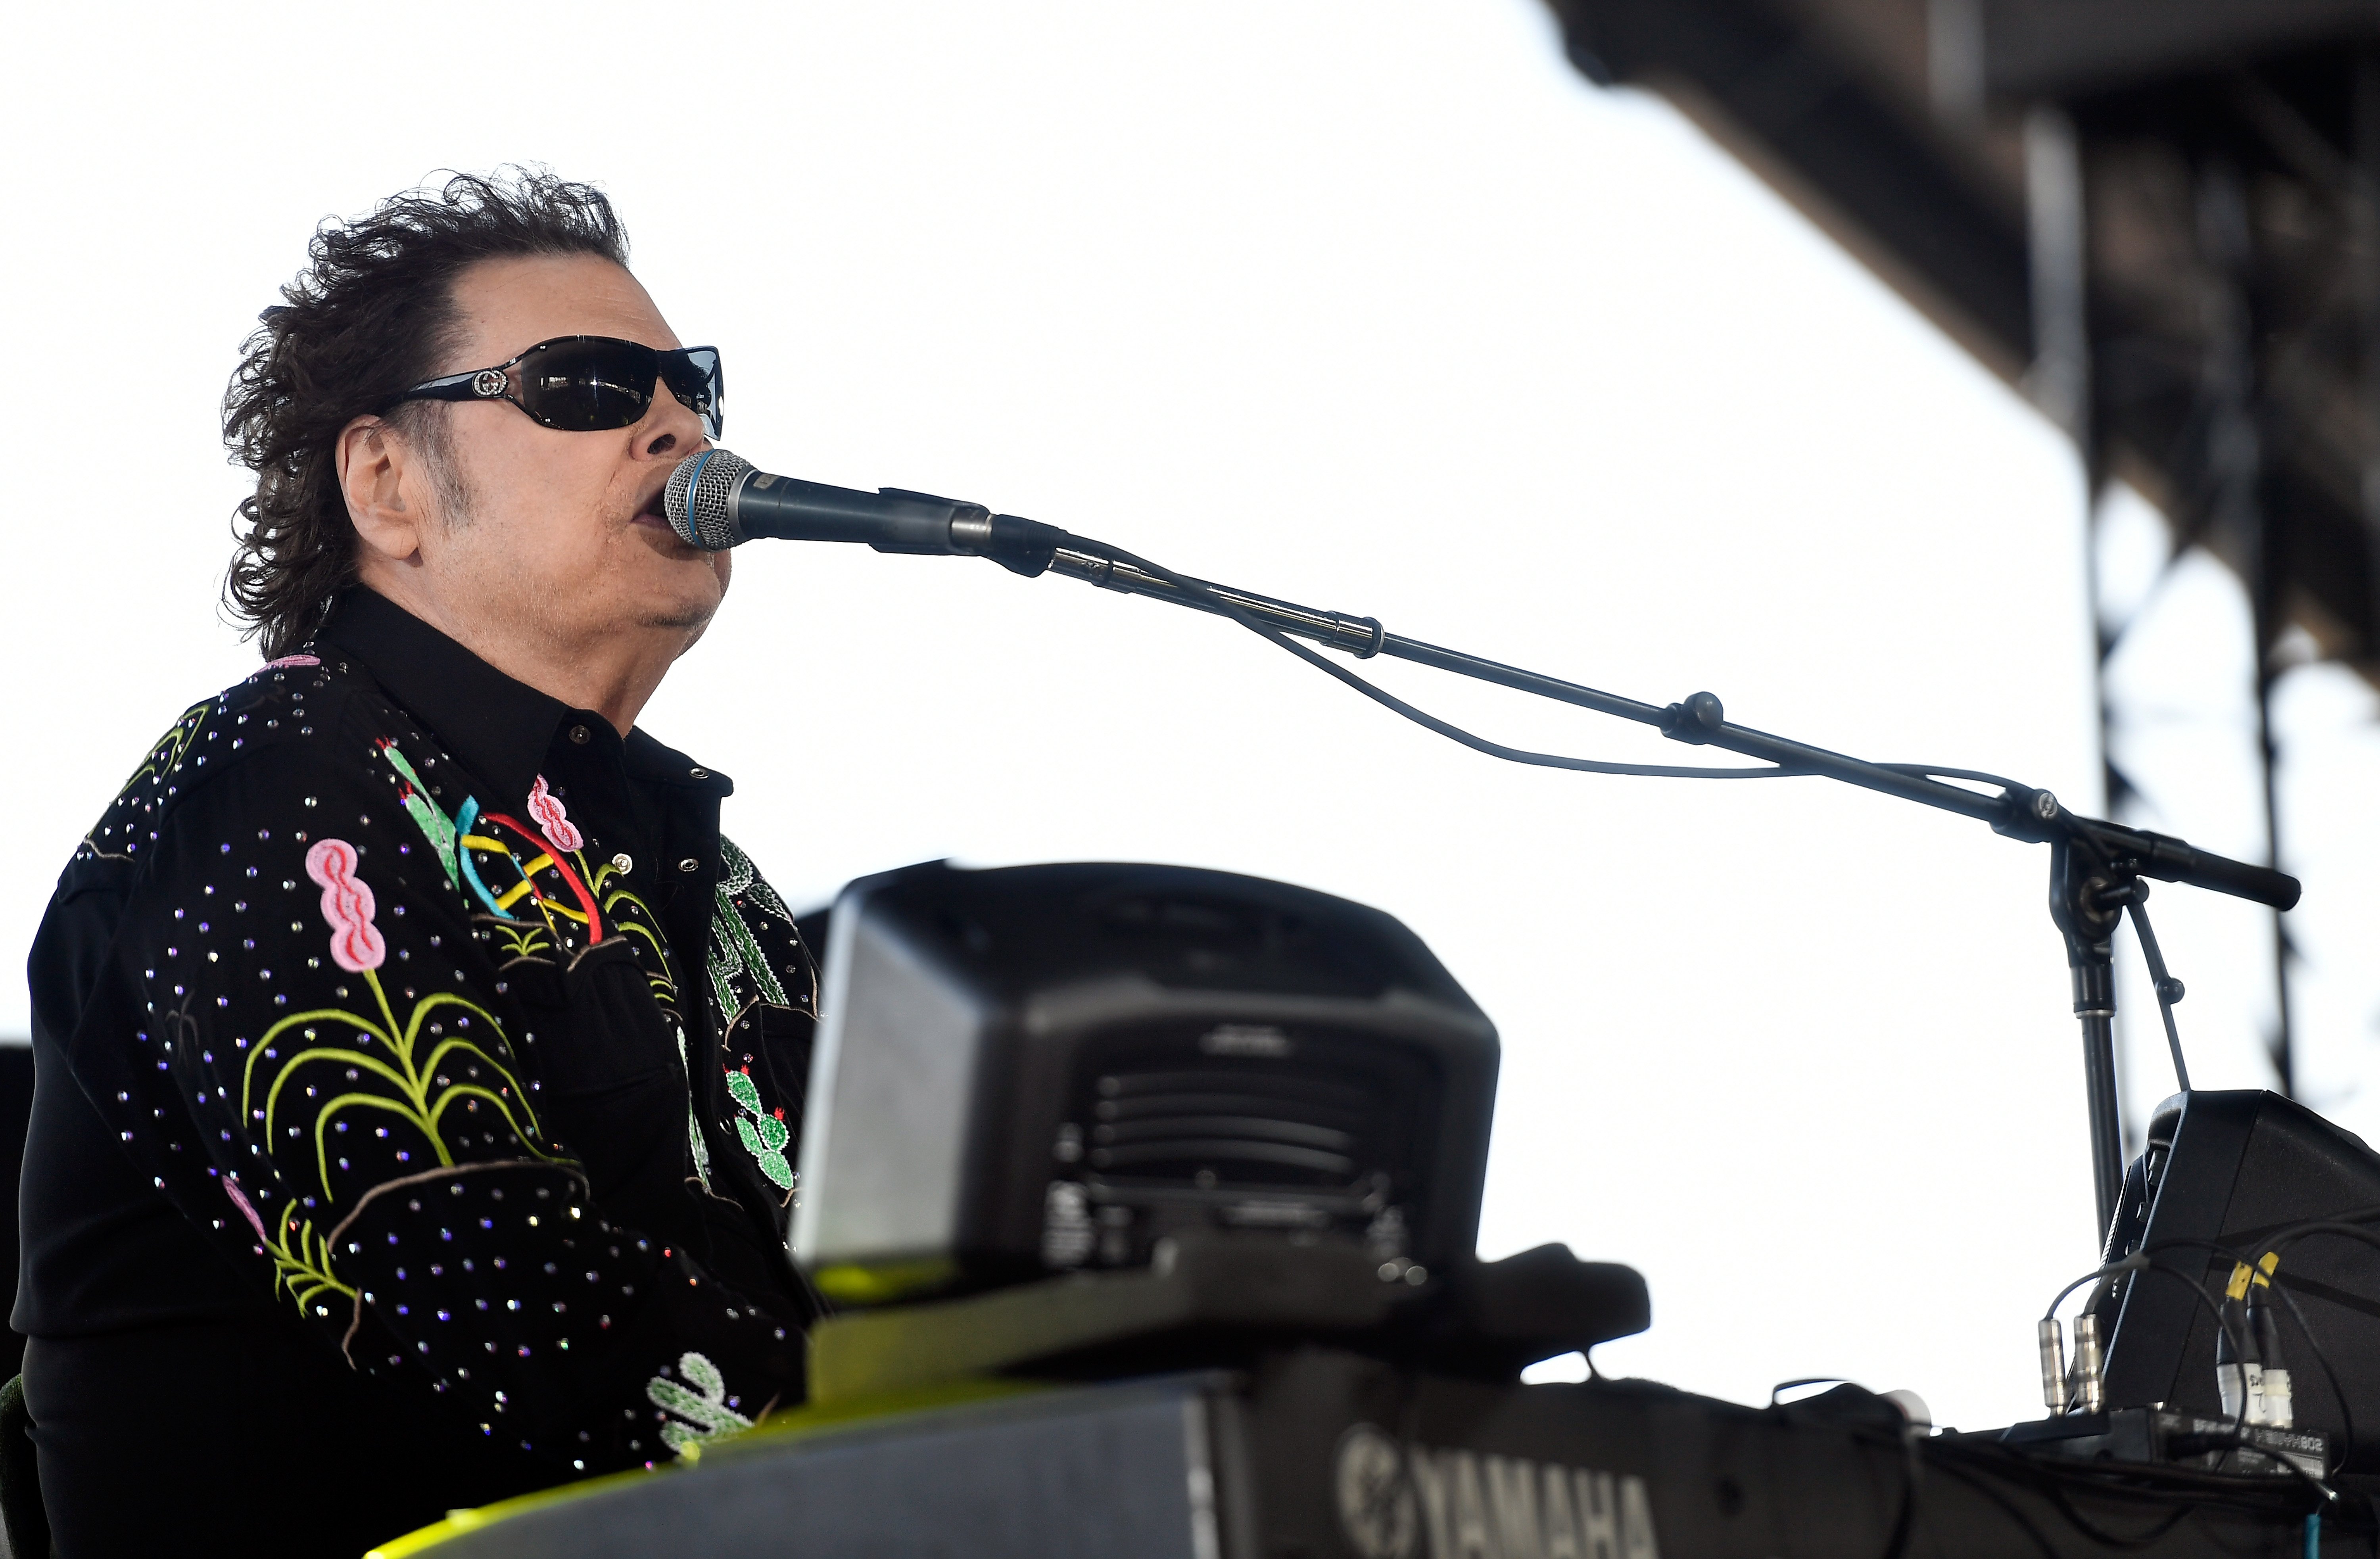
734,951
764,1135
704,1408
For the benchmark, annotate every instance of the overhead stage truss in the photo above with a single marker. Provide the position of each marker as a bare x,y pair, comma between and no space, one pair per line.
2160,217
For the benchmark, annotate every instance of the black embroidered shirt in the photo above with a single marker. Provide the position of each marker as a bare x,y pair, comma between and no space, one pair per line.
429,1018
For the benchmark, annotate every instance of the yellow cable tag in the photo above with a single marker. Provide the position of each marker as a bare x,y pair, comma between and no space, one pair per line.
2242,1275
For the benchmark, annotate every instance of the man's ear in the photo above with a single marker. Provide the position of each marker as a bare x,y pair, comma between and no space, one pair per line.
378,476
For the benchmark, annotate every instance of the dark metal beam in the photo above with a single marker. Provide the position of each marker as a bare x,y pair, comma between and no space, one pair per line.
2069,48
1811,110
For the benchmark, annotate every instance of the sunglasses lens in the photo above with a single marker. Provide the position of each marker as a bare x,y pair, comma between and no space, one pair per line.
589,384
693,375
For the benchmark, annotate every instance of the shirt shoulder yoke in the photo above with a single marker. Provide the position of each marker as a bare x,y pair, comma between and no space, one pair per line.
293,702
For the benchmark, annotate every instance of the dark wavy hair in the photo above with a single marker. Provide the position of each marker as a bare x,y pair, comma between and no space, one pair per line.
369,317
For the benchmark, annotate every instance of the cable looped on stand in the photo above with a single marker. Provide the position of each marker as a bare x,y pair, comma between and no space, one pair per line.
1215,601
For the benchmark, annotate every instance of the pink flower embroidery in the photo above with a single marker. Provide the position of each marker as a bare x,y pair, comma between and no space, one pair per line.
546,806
356,943
288,661
239,1200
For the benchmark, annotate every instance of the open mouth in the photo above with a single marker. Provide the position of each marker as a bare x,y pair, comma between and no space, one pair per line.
652,510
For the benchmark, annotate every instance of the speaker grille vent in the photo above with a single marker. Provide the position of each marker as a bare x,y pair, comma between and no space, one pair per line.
1242,1126
1245,1126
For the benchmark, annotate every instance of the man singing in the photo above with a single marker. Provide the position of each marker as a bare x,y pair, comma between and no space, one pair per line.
419,1067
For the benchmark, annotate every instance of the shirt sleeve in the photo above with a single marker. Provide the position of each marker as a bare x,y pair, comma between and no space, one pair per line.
323,1058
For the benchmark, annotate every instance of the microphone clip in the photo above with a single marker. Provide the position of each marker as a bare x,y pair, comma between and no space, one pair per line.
1020,545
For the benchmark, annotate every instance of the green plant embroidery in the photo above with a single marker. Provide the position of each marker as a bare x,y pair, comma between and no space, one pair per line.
640,925
305,1272
164,753
169,748
523,939
417,1102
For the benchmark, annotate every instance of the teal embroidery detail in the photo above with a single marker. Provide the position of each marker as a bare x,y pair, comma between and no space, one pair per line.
703,1409
463,821
764,1135
434,824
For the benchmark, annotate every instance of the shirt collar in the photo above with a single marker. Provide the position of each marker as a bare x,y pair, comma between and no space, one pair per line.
498,727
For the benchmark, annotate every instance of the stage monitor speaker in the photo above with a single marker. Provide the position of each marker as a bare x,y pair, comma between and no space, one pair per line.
2232,1169
1045,1068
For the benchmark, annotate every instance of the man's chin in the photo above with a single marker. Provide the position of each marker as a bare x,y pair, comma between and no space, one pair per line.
690,618
686,602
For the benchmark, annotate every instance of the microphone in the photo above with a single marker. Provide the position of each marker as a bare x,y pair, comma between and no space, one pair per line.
716,500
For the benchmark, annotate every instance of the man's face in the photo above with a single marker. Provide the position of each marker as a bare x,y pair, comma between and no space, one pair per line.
563,533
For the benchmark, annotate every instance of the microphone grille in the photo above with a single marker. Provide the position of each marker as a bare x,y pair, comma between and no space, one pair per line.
695,498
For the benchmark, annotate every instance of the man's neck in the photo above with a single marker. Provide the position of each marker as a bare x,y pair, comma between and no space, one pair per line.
612,673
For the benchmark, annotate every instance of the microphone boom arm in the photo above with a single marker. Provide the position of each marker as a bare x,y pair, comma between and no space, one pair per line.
2020,811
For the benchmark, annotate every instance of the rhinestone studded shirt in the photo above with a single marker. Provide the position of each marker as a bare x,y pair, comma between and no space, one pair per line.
430,1016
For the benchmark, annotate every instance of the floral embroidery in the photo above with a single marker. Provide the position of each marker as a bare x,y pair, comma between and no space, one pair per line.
765,1134
357,946
705,1408
547,808
601,892
286,662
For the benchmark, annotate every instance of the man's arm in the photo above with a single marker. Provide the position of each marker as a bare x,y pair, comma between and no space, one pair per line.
307,1042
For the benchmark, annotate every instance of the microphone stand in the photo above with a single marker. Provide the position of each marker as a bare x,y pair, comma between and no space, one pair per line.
2095,867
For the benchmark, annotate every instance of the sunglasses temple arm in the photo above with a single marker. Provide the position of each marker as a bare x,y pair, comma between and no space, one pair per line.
454,387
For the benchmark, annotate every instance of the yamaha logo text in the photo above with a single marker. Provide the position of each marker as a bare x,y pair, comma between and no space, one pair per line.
1410,1502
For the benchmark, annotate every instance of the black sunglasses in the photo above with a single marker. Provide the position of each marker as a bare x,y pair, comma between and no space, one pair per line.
590,384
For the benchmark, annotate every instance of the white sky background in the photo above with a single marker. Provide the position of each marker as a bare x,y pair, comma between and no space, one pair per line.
1374,305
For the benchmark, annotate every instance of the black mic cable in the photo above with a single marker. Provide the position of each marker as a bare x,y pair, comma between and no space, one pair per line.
716,500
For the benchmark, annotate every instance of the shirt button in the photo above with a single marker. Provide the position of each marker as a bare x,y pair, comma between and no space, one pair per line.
623,861
689,864
578,735
700,773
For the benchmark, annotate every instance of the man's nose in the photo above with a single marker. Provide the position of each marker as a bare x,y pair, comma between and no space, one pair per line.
670,426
